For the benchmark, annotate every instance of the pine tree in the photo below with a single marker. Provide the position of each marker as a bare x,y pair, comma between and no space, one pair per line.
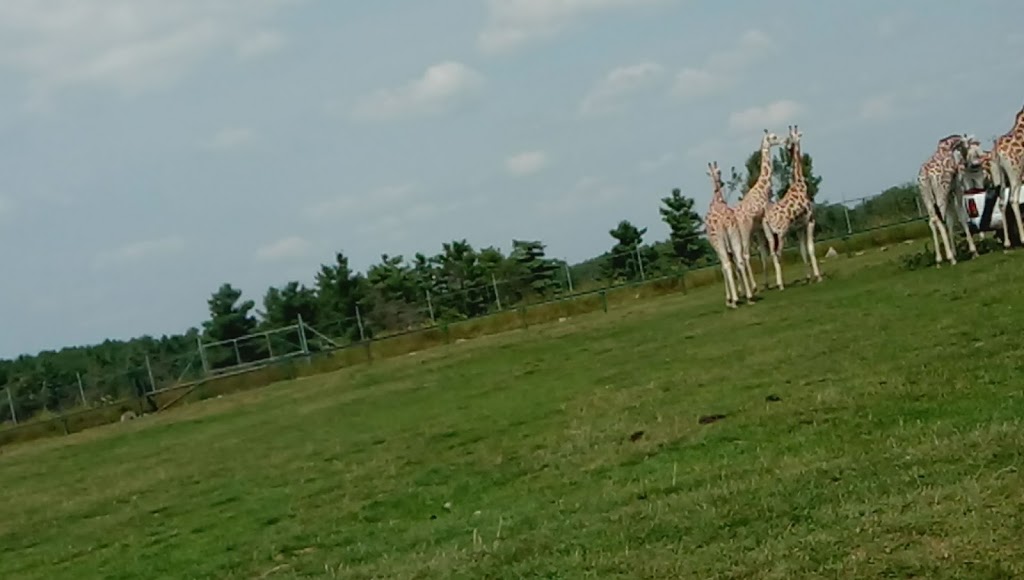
685,227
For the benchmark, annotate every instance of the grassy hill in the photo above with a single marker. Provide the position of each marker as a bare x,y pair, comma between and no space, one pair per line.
866,427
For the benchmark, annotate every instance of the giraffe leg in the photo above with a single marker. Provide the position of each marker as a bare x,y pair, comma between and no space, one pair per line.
997,182
775,247
745,233
941,201
748,272
961,215
762,250
1014,180
935,240
810,249
997,176
928,201
941,226
801,239
743,266
730,282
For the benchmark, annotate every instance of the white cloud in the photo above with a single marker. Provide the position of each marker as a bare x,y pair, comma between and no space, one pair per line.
513,23
619,84
260,43
765,117
708,150
135,252
723,70
231,138
131,46
526,163
878,108
284,249
362,206
440,88
910,99
695,83
652,165
588,192
6,206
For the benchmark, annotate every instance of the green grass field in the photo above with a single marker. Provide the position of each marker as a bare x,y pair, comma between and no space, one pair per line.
872,428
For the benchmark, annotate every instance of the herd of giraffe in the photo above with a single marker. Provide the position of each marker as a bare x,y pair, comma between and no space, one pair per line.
732,229
958,165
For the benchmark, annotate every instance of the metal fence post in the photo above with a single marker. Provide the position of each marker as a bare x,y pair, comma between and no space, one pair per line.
430,307
568,277
640,262
81,389
359,321
10,402
303,342
202,356
497,297
149,371
846,211
238,353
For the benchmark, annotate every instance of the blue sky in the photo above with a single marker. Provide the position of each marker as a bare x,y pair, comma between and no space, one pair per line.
151,150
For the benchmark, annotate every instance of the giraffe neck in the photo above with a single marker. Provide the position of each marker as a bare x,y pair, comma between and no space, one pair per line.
717,196
1016,133
796,158
761,192
766,163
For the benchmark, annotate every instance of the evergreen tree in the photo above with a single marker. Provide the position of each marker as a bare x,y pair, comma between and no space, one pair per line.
230,319
685,226
540,272
465,281
283,306
393,295
338,291
624,260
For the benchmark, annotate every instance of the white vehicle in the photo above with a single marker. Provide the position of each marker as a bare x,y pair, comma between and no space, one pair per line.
985,210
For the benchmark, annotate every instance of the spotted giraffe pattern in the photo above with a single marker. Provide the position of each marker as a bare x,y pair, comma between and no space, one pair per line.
750,210
795,208
1007,167
720,224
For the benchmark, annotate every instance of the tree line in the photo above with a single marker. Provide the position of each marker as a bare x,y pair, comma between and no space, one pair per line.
397,293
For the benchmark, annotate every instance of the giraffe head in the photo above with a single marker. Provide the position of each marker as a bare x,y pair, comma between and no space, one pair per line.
715,174
770,140
793,139
950,143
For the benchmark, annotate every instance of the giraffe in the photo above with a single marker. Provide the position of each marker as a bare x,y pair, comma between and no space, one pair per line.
796,207
1007,167
938,184
720,225
750,210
